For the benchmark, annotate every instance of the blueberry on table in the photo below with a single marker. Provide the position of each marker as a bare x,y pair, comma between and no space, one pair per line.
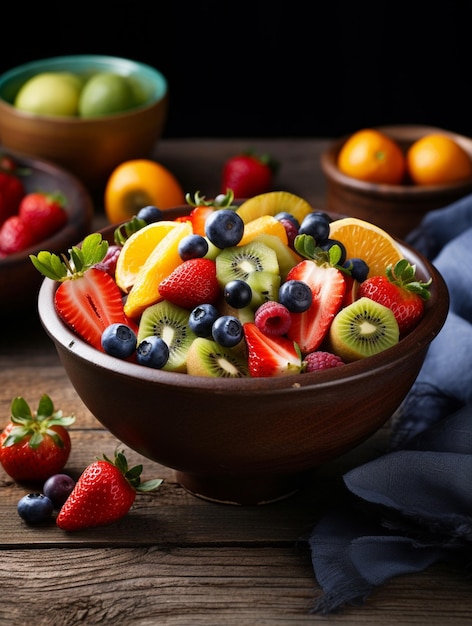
58,488
35,508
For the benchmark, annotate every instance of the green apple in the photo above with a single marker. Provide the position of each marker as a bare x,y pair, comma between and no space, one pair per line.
106,93
50,93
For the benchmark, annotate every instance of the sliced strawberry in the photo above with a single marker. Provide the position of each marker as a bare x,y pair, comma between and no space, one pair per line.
270,356
328,286
193,282
89,304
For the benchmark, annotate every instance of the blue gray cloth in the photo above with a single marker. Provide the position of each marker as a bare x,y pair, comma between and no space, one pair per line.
412,506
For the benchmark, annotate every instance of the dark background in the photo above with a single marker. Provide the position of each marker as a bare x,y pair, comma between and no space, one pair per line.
266,69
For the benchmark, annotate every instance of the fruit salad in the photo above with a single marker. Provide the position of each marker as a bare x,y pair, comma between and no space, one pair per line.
269,287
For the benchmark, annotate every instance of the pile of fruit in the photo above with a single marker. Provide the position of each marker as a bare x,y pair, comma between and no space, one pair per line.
267,288
26,218
436,158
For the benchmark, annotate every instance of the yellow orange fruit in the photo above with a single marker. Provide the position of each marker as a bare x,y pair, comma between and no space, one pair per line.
162,261
437,159
274,202
136,250
368,242
266,224
372,156
138,183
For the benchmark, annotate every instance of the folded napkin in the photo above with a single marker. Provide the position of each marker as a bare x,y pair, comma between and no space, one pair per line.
412,506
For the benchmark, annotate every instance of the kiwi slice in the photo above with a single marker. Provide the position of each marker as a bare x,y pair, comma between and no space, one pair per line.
205,357
237,262
265,286
362,329
170,322
286,257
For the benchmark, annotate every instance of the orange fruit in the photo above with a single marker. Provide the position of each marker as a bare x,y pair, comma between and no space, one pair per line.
265,224
372,156
162,261
136,249
138,183
437,159
366,241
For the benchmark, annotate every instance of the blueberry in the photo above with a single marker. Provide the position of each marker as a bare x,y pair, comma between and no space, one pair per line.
201,319
35,508
237,293
227,330
285,215
119,340
359,268
58,488
224,228
192,247
150,214
295,295
329,243
315,224
152,352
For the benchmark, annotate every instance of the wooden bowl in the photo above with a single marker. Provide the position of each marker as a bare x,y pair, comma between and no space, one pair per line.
90,148
398,209
19,279
245,441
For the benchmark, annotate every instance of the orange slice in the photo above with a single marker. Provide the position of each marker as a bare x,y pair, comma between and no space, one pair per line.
266,224
136,249
162,261
271,203
366,241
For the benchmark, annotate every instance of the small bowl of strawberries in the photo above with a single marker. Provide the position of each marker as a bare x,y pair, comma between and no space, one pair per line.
242,344
41,206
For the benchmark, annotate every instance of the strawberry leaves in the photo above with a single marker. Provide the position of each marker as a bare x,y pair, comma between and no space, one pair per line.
403,274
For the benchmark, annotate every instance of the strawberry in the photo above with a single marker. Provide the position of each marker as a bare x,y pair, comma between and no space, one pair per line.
248,174
401,291
103,494
11,190
88,300
44,213
15,236
193,282
270,355
33,447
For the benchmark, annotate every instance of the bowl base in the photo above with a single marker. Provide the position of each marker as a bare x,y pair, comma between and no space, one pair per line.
239,490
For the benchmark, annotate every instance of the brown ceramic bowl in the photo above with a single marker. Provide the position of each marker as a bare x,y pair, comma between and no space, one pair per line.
19,280
250,440
395,208
90,148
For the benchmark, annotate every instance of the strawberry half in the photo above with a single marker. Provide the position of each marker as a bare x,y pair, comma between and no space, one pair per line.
328,286
270,356
88,299
193,282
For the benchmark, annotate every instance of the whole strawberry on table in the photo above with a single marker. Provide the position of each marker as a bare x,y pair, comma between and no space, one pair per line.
249,174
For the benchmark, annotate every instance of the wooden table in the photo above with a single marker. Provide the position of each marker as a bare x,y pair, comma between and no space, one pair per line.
175,559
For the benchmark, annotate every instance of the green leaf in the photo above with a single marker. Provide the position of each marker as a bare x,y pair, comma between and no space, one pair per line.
45,407
20,409
150,485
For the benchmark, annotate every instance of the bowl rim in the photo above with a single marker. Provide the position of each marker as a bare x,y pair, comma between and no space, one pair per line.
403,133
62,63
436,310
77,218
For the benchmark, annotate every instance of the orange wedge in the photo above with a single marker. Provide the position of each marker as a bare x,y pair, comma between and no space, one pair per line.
273,202
162,261
366,241
265,224
136,249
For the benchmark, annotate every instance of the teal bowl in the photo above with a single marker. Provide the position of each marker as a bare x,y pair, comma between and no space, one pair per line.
90,148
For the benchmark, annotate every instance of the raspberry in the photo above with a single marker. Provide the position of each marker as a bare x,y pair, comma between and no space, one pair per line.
109,262
272,318
320,360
